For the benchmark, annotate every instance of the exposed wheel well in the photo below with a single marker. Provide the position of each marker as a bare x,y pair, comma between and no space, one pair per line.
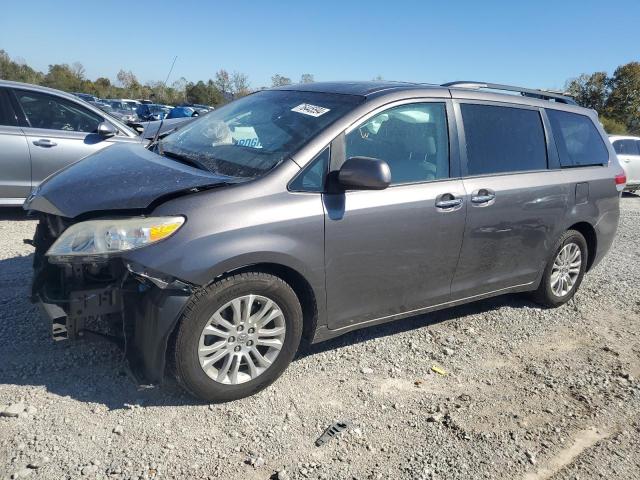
589,234
300,286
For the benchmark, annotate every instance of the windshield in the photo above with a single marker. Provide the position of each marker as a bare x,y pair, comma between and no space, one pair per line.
250,136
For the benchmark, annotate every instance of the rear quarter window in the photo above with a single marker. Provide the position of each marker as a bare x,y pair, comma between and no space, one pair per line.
577,139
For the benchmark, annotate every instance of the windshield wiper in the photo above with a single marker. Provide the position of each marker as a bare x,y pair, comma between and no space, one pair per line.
183,159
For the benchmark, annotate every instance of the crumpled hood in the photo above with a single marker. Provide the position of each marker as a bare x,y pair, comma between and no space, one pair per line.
120,177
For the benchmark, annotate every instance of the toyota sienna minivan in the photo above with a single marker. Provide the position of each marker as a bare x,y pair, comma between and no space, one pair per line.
308,211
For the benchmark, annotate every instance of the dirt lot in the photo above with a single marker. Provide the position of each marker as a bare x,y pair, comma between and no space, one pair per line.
528,394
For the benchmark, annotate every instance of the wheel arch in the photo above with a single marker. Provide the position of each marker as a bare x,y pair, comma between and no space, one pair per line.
298,282
589,233
300,285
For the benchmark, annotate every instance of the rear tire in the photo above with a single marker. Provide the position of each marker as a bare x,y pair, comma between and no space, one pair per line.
564,271
228,319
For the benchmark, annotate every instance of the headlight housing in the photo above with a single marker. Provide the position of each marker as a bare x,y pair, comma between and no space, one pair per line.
106,237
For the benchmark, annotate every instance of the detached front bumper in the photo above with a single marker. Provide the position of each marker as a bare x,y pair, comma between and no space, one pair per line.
115,300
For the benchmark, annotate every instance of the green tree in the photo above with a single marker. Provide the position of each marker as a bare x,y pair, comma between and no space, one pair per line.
589,91
623,103
103,87
132,87
197,92
215,95
61,76
17,71
613,127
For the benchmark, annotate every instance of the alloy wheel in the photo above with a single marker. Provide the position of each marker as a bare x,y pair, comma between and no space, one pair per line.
566,269
242,339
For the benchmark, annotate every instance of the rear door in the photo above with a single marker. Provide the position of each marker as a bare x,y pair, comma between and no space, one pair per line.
516,205
628,150
15,163
58,131
394,251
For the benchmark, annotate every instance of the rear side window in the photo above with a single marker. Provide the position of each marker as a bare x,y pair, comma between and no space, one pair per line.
627,147
503,139
578,141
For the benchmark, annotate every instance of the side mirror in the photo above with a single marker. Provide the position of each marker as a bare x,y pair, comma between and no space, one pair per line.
105,129
364,173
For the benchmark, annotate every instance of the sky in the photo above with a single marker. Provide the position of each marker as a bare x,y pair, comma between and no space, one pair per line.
540,45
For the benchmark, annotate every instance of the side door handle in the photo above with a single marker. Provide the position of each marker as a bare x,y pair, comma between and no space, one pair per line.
448,202
45,142
483,197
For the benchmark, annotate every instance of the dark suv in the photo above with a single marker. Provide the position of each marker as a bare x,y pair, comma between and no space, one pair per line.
312,210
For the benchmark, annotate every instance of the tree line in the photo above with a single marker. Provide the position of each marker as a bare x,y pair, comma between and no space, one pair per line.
222,88
616,98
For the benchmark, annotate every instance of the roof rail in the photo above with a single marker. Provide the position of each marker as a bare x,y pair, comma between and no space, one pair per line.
525,92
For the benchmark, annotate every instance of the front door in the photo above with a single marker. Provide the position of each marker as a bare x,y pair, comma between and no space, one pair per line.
15,163
58,132
394,251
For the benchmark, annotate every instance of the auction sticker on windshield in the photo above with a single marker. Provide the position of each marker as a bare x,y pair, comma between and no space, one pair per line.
312,110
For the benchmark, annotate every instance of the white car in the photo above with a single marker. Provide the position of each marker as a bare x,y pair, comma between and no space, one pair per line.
628,150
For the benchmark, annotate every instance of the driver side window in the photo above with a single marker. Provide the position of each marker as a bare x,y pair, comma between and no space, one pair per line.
413,139
55,113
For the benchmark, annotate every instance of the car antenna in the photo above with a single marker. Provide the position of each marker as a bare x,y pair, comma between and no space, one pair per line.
164,86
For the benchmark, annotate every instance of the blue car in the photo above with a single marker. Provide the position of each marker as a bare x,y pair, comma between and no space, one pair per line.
150,112
182,112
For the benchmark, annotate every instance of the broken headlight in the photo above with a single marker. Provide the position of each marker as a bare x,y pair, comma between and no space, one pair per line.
104,237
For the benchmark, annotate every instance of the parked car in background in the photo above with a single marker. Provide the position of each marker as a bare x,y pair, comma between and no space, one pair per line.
102,105
119,104
201,109
151,111
43,130
132,103
105,107
86,97
341,206
123,111
163,127
182,112
628,150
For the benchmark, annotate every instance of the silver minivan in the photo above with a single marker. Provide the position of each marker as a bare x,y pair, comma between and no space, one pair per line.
43,130
308,211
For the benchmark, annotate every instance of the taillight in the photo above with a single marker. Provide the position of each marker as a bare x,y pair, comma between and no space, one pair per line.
621,181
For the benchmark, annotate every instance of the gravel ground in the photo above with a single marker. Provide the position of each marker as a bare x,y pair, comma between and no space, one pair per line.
528,394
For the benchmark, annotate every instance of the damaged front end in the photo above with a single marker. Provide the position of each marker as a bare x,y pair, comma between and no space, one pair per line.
107,297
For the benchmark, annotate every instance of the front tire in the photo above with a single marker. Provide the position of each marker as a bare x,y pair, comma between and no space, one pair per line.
237,336
564,271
